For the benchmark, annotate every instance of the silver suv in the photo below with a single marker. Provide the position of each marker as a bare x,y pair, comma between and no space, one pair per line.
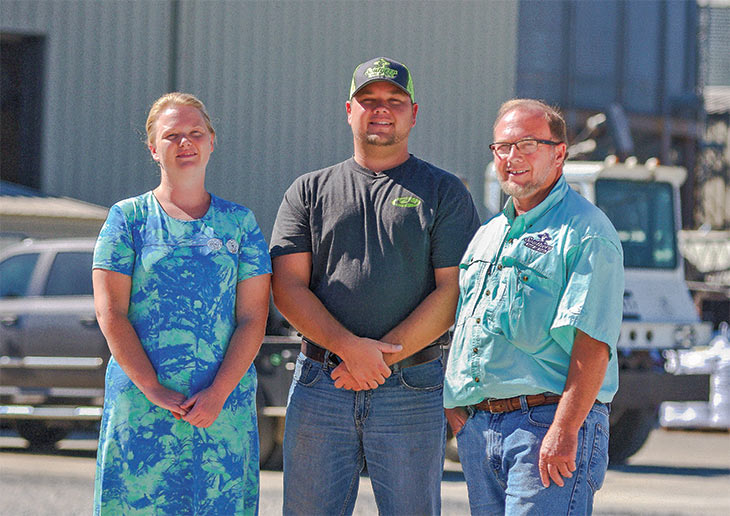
52,353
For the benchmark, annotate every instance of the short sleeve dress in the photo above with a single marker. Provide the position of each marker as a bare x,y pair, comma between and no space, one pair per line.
182,306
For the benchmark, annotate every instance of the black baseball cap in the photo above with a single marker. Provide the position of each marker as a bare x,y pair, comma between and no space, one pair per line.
382,69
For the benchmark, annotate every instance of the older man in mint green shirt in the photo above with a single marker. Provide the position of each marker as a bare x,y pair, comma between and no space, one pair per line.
528,283
533,360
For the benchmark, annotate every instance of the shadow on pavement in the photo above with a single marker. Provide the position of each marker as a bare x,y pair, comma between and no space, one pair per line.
89,454
78,444
453,476
643,469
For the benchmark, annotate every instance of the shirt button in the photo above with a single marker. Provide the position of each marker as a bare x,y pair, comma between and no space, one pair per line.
475,350
488,292
525,278
499,267
476,379
479,320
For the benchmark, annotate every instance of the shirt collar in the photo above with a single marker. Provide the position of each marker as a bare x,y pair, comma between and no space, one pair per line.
527,219
384,173
554,197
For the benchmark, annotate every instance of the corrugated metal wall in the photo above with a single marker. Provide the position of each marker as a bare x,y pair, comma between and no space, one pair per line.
717,45
275,77
103,62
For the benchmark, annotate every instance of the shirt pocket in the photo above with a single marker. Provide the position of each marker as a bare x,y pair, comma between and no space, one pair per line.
471,272
533,301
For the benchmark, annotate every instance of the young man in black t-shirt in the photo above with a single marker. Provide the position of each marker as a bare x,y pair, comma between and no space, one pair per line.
365,257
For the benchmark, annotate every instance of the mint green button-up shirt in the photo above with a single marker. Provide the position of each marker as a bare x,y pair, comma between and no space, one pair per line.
526,284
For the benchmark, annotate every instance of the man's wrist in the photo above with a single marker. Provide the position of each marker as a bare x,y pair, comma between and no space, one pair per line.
567,425
343,344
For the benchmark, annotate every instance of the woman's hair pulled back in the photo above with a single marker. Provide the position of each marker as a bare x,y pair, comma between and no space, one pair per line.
175,98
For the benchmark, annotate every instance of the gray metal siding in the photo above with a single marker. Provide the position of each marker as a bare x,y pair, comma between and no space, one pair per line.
718,45
104,63
275,77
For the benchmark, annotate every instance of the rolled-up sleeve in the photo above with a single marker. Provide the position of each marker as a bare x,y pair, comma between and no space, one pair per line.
592,300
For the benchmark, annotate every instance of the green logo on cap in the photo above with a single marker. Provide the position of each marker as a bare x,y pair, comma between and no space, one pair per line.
381,68
406,202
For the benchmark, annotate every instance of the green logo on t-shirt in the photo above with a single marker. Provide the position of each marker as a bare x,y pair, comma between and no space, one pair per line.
406,202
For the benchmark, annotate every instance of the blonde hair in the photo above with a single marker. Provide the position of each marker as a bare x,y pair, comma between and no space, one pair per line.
175,99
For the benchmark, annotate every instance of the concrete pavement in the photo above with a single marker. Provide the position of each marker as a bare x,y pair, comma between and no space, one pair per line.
677,473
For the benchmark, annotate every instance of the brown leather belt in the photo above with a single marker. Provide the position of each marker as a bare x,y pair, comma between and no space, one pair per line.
318,353
511,404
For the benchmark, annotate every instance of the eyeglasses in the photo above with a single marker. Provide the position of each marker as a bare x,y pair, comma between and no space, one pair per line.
525,146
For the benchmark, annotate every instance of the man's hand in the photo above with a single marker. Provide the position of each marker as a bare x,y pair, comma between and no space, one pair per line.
203,408
364,367
588,363
457,418
557,456
344,379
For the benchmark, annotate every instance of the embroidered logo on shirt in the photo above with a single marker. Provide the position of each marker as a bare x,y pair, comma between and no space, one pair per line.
214,244
232,246
406,202
539,244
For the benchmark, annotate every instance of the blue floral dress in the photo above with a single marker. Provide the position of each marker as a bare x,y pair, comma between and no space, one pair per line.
182,306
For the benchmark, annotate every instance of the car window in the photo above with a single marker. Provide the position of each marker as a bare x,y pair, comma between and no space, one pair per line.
15,274
70,275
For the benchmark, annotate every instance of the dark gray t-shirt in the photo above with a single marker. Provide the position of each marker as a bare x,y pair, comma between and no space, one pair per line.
375,239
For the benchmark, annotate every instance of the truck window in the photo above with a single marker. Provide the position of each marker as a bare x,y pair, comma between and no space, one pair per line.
643,214
70,275
15,274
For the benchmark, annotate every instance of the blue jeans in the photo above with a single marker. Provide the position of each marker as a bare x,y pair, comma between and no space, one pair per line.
398,429
499,456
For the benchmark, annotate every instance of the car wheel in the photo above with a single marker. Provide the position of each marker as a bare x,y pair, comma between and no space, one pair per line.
629,433
39,434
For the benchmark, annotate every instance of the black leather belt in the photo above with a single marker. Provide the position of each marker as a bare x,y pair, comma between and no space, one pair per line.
320,354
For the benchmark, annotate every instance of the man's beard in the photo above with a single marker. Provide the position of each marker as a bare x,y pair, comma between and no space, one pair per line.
380,141
518,191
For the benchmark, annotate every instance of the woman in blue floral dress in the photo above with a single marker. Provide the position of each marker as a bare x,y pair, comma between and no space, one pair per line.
181,288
